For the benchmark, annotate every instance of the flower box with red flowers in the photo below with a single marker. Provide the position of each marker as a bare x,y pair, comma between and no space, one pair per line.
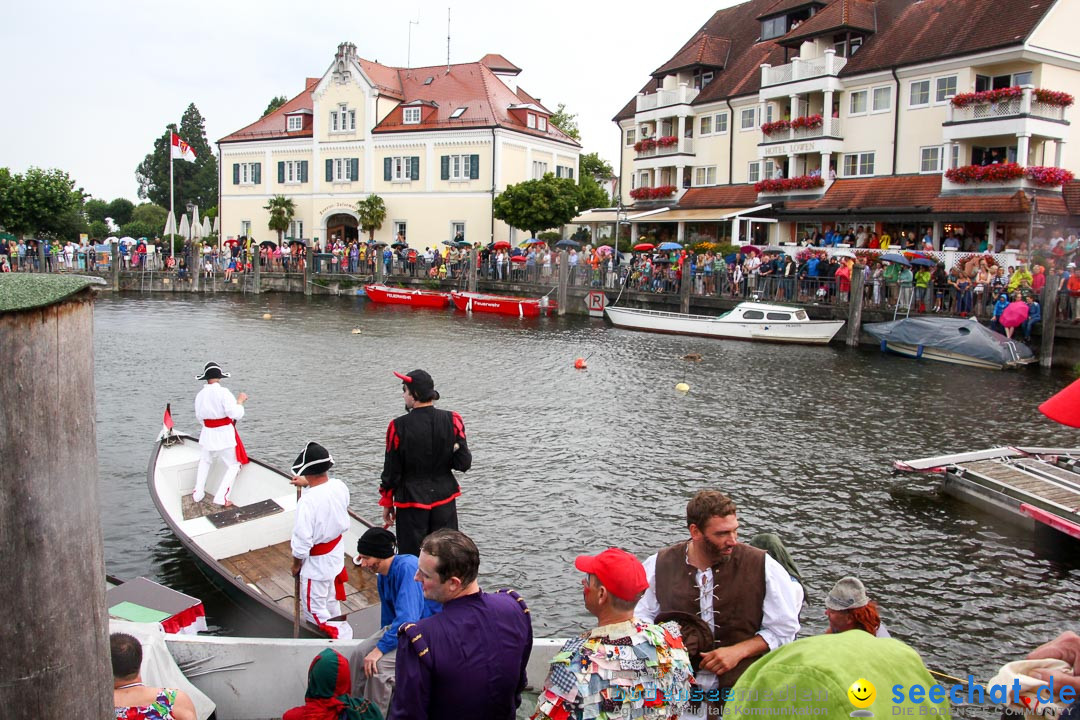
667,141
986,96
1048,176
802,182
771,128
807,121
653,193
646,144
1052,97
1002,172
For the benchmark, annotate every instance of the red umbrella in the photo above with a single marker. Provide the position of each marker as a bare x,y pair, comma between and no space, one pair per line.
644,247
519,259
750,249
1014,314
1065,406
501,245
231,241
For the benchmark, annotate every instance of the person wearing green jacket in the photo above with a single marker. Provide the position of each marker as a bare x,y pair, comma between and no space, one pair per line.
892,281
922,283
906,283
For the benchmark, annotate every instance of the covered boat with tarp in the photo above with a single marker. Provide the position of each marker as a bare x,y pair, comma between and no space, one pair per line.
951,340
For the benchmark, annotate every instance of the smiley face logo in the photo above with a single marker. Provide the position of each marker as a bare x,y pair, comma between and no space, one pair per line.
862,694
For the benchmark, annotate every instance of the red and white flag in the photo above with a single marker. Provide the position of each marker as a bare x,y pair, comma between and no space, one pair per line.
167,422
181,150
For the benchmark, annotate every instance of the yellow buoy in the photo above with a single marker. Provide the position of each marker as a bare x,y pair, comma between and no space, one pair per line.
682,387
356,331
267,316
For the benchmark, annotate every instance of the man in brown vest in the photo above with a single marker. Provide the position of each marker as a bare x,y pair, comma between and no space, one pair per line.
738,590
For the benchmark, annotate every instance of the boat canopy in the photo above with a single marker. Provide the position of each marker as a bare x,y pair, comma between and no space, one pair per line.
966,337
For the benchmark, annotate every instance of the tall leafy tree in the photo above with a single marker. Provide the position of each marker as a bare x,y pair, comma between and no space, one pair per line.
372,212
536,205
594,166
120,210
149,215
44,202
96,211
275,103
567,122
196,182
591,194
282,210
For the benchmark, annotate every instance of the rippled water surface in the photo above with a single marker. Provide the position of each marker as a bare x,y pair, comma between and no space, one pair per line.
567,462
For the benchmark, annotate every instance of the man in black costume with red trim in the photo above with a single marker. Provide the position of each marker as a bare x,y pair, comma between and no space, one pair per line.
423,448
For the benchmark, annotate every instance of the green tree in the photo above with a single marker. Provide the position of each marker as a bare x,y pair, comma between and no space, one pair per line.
591,194
98,230
275,103
152,215
96,211
120,210
567,122
282,210
536,205
592,165
43,202
196,182
372,212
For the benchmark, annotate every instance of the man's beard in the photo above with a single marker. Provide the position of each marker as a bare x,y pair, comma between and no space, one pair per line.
714,552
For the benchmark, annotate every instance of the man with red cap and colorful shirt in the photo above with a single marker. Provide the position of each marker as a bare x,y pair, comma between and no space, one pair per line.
423,448
625,668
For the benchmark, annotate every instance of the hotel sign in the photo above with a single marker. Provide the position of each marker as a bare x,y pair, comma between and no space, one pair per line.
788,149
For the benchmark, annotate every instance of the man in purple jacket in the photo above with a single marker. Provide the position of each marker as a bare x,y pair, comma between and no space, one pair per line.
469,661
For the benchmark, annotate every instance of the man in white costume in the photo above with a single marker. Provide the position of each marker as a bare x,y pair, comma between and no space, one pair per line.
318,547
218,411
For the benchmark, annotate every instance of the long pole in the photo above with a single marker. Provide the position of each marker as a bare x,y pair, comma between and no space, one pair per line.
172,200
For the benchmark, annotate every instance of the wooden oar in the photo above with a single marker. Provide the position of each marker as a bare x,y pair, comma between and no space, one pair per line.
296,593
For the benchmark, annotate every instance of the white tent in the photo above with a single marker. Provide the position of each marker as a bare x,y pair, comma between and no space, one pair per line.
170,225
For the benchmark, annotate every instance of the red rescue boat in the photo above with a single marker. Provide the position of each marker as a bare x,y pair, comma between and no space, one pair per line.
502,304
407,296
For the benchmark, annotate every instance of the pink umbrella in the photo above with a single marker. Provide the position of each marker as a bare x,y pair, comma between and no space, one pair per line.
1014,314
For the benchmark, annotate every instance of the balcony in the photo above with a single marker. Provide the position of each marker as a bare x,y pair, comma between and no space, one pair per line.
658,148
826,66
681,95
1009,111
801,186
825,138
1004,177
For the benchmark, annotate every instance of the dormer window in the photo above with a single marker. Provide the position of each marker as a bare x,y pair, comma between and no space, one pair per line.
541,123
295,122
531,120
774,27
412,116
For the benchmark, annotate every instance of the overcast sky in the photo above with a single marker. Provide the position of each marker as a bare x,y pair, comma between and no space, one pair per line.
89,86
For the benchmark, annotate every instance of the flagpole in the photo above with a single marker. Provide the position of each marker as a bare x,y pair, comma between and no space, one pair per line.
172,202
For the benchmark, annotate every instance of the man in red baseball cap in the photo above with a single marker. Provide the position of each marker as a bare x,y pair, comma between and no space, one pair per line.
579,683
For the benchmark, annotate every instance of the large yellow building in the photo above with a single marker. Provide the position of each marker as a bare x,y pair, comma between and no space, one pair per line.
807,114
436,143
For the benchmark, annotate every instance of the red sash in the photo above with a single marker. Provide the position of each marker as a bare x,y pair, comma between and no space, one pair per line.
241,454
342,577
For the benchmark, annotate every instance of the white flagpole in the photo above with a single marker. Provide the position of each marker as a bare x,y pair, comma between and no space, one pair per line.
172,202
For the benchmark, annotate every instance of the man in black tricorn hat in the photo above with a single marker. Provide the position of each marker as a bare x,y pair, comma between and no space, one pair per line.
423,448
318,547
218,411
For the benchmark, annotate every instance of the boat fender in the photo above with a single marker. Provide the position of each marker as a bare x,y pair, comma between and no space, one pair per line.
884,346
579,364
682,387
918,353
356,331
267,316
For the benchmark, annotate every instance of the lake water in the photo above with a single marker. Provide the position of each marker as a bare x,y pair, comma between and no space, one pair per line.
569,462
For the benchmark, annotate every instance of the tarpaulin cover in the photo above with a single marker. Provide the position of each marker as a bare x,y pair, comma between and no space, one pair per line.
966,337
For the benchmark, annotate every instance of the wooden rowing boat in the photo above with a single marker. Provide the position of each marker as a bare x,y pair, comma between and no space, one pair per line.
379,293
244,550
501,304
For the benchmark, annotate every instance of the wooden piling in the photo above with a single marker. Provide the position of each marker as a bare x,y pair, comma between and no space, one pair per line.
309,257
685,287
1049,302
41,256
54,644
474,256
564,282
114,265
855,304
257,261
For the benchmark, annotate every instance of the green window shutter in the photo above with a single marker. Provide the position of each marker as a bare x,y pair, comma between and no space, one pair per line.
303,171
256,173
329,171
414,171
570,173
387,171
281,172
444,164
236,173
354,175
474,167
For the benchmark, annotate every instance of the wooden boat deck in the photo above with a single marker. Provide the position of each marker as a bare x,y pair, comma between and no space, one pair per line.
269,568
1030,481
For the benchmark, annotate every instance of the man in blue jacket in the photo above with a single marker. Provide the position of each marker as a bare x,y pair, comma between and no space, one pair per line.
402,599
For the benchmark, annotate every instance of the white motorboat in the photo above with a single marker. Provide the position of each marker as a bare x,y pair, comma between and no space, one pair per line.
747,321
245,549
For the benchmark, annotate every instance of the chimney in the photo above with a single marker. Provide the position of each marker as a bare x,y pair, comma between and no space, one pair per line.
345,51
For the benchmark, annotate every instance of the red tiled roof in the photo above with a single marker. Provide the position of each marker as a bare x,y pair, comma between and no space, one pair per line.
720,196
704,50
841,15
907,33
386,79
784,5
498,63
273,125
1071,194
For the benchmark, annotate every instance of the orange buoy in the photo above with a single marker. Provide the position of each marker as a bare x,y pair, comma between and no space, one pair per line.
579,364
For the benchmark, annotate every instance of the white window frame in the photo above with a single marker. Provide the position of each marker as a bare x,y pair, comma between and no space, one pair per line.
459,112
411,116
294,123
753,124
343,119
852,112
718,120
296,229
292,172
455,226
938,88
459,168
247,173
954,158
930,152
705,125
401,168
530,120
753,172
768,112
631,137
343,170
874,109
401,227
911,93
541,123
705,176
861,163
540,169
352,119
245,228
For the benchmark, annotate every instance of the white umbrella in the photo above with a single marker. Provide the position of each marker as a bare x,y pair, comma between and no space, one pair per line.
206,226
127,240
170,225
185,227
195,219
217,226
844,253
196,231
112,239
